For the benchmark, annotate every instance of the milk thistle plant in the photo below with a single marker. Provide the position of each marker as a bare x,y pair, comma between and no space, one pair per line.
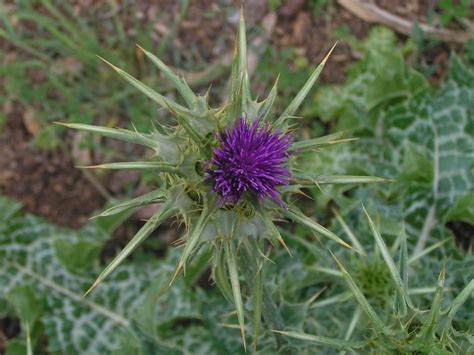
227,173
397,324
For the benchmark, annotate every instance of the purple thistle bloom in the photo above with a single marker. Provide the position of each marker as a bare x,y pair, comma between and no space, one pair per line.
249,159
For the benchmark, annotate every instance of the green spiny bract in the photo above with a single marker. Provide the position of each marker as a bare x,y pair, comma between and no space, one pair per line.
235,233
396,324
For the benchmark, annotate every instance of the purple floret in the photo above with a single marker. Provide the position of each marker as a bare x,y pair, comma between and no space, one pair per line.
250,159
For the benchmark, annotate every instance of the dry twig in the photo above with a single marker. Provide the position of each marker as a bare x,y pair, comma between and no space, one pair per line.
370,12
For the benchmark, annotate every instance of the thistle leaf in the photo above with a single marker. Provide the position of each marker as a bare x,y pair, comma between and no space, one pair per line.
97,324
399,285
296,102
322,340
461,299
353,324
320,142
325,270
268,102
220,277
155,165
295,214
429,328
239,80
234,281
152,94
243,72
165,211
257,307
235,108
416,256
117,133
155,196
349,232
195,235
404,264
272,229
339,298
305,179
180,84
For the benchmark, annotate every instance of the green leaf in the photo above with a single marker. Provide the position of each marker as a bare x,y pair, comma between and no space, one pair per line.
394,273
306,179
404,262
154,165
429,328
242,55
460,299
155,196
97,324
234,281
339,298
235,97
416,167
117,133
78,256
353,324
438,127
320,142
322,340
195,235
158,98
295,214
272,229
165,211
294,314
180,84
264,111
462,210
9,209
153,316
220,275
349,232
26,303
420,254
257,307
298,99
423,137
16,346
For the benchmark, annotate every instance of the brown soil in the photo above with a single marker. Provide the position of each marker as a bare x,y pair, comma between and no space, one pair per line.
314,36
45,182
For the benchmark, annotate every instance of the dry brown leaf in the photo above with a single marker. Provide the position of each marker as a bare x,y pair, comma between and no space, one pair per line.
30,120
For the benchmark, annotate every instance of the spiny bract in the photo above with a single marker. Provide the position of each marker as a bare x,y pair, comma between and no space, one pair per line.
246,158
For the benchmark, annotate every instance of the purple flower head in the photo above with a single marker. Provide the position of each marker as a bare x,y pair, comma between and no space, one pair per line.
249,159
